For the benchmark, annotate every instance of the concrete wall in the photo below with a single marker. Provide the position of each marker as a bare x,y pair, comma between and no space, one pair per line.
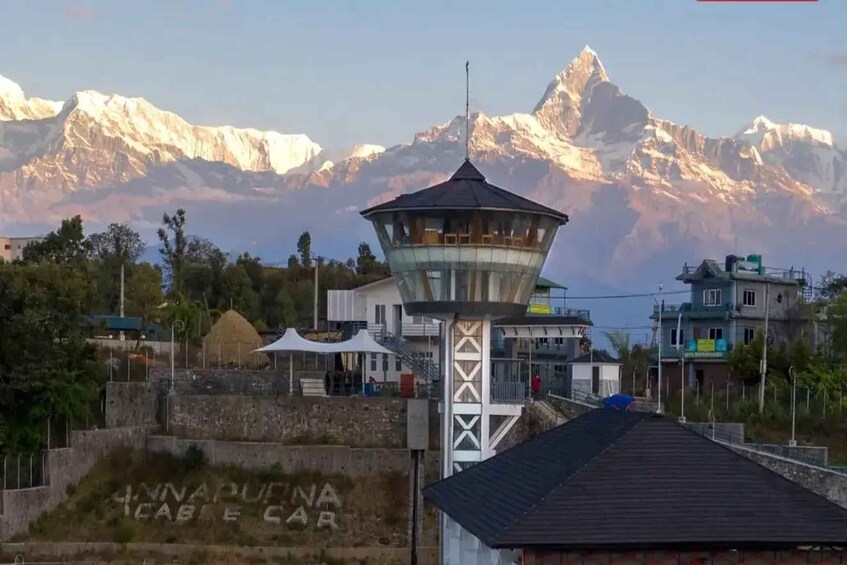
130,404
350,421
570,409
188,553
824,482
65,466
733,432
330,459
813,455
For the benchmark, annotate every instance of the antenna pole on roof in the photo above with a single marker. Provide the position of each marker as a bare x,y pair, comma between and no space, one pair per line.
467,110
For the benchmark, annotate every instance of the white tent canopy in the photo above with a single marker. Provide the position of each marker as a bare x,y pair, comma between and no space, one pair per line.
362,342
292,341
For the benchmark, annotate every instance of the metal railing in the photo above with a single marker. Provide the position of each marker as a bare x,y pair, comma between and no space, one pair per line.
420,363
509,392
24,471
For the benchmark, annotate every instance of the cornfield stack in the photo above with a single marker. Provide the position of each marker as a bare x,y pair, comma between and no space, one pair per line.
231,341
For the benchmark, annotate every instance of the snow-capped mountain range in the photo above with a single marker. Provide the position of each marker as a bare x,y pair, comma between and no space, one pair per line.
642,192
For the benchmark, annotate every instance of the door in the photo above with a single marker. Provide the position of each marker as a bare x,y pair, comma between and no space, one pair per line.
398,319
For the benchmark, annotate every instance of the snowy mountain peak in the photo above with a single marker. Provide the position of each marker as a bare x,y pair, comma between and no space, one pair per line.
10,89
760,123
14,104
763,132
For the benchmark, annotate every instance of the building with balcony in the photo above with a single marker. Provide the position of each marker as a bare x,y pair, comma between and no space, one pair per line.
541,340
728,306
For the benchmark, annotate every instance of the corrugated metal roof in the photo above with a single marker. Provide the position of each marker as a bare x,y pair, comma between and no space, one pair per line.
617,480
467,189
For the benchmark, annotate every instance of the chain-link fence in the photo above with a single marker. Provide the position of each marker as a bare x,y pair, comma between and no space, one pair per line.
737,402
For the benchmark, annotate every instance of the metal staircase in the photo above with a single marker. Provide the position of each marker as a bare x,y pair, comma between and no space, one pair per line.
420,364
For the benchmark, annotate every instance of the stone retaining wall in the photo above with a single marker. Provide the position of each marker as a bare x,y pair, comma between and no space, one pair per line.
65,466
130,404
351,421
329,459
825,482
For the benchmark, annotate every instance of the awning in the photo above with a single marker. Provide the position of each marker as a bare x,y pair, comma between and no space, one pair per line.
362,342
292,341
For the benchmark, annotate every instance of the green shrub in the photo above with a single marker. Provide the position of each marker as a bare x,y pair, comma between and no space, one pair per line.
124,533
194,458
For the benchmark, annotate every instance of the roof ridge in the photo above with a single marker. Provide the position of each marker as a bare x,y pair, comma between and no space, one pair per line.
575,473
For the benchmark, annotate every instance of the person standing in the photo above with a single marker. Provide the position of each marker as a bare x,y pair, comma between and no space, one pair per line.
535,383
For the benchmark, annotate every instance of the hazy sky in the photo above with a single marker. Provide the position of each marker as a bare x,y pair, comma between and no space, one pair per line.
376,71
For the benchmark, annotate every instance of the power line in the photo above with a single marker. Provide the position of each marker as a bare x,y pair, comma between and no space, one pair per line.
619,296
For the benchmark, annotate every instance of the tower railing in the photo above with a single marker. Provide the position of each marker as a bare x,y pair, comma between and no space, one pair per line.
420,363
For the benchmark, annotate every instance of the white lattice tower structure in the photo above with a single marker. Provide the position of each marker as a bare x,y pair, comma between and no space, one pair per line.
468,253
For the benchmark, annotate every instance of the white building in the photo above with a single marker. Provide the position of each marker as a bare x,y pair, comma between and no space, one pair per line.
12,248
595,375
378,307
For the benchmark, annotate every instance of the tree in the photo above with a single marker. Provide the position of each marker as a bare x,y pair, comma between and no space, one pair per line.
253,267
634,359
836,314
173,252
830,286
47,368
119,247
287,309
238,292
119,244
65,245
366,261
304,248
144,293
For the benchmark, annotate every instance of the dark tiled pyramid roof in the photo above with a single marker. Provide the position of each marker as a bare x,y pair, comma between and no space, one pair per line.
621,480
467,189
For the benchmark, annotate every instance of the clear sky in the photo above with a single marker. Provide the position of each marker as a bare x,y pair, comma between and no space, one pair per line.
378,71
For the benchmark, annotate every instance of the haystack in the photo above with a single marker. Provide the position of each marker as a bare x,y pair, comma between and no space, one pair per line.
231,341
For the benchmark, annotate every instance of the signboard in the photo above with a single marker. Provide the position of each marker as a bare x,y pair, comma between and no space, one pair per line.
705,345
705,348
539,309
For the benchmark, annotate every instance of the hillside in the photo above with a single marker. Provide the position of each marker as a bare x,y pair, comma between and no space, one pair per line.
134,497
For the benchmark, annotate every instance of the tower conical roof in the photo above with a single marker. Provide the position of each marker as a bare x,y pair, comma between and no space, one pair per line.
467,189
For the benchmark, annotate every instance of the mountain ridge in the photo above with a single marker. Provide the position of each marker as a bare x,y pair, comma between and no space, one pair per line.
660,191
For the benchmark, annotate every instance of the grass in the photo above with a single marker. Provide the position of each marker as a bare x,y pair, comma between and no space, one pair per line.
373,511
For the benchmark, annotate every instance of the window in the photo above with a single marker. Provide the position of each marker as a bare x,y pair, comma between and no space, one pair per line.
595,380
715,333
7,246
712,297
385,362
373,362
748,298
677,340
558,340
379,314
749,335
398,363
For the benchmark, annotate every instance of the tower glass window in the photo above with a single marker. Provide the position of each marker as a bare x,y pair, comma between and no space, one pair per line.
465,242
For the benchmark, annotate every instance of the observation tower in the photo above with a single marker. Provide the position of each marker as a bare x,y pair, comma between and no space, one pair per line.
468,253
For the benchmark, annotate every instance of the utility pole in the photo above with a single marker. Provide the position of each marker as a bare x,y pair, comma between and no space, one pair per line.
315,320
681,354
792,373
763,367
659,409
121,307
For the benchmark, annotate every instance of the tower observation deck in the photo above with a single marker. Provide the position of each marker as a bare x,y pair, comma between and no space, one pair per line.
466,252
